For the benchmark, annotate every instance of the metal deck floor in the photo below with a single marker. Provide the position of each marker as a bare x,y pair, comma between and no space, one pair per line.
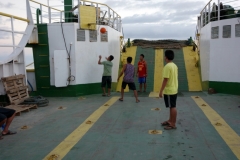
122,131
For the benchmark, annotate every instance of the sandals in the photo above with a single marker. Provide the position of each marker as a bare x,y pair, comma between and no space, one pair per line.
138,101
104,95
170,127
9,133
120,99
166,123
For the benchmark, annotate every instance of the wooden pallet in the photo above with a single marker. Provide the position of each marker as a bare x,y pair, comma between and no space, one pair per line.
22,108
15,88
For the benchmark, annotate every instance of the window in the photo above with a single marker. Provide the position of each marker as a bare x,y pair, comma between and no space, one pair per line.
215,32
227,31
80,35
104,37
93,36
237,30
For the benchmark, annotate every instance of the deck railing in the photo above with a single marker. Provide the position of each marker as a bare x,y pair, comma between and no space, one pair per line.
211,12
105,15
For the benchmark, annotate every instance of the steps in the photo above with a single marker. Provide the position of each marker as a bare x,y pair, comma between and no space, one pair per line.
182,74
149,54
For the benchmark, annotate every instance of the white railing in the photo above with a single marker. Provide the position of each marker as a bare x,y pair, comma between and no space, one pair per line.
105,15
211,12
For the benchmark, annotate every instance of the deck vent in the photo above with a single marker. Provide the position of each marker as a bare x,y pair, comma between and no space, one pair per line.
215,32
93,36
104,37
237,30
80,35
227,31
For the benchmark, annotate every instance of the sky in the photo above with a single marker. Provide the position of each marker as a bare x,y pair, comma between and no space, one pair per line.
142,19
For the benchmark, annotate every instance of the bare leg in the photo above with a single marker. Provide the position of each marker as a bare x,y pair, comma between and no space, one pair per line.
122,93
104,91
2,122
8,122
109,90
145,87
140,87
136,96
173,116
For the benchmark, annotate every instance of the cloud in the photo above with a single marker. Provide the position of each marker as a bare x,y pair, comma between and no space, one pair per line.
7,5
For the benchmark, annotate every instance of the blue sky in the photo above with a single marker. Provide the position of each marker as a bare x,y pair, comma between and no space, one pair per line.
145,19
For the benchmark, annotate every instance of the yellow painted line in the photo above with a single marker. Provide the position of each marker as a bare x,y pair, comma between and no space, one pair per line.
70,141
225,131
193,74
130,52
159,64
154,94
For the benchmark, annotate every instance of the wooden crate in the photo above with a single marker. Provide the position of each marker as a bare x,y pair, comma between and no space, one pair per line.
22,108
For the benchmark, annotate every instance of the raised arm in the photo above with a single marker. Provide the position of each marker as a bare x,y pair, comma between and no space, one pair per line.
99,61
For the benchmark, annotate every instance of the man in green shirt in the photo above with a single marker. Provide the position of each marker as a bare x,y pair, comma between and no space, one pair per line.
107,73
169,89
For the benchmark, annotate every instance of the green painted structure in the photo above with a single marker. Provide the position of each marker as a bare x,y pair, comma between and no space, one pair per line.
149,54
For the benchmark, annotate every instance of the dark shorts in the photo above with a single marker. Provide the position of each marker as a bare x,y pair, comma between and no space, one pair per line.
106,80
142,80
6,113
131,85
170,100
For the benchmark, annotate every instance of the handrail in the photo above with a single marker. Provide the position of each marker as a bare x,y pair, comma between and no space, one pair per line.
205,6
15,17
101,4
45,5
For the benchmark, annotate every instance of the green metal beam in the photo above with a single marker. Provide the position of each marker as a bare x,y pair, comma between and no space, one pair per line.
67,8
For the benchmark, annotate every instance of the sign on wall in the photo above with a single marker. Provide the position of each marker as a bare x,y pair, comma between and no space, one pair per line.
215,32
80,35
104,37
93,36
227,31
87,17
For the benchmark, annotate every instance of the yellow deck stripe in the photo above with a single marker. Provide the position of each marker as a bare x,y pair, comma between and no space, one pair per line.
193,74
159,64
130,52
158,70
65,146
226,132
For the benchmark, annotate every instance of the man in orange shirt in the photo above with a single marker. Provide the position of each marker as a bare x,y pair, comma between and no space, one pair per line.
142,73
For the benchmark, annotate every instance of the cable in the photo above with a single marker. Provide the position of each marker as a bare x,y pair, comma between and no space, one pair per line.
71,77
30,85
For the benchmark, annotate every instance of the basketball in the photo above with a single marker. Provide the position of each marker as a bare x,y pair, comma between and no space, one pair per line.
103,30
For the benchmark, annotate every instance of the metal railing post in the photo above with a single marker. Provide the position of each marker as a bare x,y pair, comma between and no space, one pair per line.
109,15
218,10
97,13
13,37
113,22
205,21
61,16
41,13
209,12
201,20
79,3
49,14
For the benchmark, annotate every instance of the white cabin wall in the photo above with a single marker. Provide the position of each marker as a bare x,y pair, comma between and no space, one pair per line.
205,37
225,54
87,55
56,42
84,54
